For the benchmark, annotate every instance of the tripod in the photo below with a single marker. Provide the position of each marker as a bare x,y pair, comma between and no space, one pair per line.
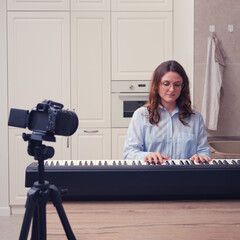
41,193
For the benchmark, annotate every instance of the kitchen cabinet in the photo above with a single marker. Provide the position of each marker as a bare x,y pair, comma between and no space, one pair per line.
38,69
90,68
38,58
140,42
118,140
143,5
19,160
90,5
69,51
91,144
38,5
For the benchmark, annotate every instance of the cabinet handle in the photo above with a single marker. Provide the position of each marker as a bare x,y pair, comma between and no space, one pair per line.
68,142
92,131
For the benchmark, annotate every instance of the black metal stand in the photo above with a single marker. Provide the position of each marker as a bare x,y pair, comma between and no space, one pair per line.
40,194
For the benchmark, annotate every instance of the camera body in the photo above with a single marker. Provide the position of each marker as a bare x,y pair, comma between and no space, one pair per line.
47,118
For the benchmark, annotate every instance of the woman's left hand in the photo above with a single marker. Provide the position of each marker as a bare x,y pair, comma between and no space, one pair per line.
198,158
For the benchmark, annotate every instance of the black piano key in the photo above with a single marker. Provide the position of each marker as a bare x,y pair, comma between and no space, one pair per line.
206,162
234,162
105,163
114,163
187,162
125,162
192,162
133,163
85,163
181,162
57,163
173,163
91,163
80,163
139,163
119,163
225,162
220,162
66,163
238,161
71,164
215,162
167,162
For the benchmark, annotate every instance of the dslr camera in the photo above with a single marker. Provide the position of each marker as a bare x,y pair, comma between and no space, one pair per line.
46,119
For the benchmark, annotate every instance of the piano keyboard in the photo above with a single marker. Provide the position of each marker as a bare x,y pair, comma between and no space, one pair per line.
174,162
138,180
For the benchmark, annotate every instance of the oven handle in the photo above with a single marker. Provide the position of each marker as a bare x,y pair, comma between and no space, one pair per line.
134,95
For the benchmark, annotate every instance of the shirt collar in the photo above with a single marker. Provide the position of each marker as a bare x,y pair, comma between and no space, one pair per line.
175,111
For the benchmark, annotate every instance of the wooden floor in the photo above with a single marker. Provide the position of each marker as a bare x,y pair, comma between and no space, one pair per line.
203,220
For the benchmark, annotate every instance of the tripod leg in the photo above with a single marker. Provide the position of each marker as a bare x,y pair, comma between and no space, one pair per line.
57,201
30,208
35,224
42,219
39,221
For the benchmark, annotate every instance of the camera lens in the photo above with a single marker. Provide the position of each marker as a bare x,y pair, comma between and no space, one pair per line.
66,123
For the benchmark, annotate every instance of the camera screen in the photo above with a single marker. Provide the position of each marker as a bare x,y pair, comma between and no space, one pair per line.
38,121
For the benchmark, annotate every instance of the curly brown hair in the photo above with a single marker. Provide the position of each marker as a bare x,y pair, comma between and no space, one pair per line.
183,102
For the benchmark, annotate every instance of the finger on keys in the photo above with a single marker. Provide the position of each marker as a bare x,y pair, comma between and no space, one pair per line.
145,159
201,159
158,158
194,158
165,157
150,159
208,159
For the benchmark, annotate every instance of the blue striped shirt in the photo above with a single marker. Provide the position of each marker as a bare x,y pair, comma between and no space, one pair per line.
170,138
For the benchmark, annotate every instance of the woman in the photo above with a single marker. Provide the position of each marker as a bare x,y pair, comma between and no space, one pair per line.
167,127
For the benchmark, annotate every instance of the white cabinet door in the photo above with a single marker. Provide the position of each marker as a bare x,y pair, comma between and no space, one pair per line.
38,5
91,144
38,58
90,5
19,160
38,69
118,140
141,5
90,68
140,42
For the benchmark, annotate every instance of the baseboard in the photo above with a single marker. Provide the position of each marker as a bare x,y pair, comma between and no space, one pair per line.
17,210
5,211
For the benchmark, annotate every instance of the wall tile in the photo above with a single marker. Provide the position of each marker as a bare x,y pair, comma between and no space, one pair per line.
219,13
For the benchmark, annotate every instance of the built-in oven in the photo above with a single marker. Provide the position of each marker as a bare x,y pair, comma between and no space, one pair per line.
127,96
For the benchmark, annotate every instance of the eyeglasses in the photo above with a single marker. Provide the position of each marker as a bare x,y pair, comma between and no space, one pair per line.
167,85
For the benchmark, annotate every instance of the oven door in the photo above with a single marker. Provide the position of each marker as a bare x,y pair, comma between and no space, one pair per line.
124,105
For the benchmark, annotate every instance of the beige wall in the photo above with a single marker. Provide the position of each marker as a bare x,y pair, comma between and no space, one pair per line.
219,13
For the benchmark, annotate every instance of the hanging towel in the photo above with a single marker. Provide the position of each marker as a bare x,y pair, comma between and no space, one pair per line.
213,82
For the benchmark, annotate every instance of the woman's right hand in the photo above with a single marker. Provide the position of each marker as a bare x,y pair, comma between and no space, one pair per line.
155,157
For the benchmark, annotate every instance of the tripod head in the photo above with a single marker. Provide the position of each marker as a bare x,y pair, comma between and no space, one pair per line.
39,151
36,149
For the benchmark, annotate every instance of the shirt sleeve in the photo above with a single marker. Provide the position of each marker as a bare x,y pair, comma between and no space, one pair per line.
134,142
202,144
